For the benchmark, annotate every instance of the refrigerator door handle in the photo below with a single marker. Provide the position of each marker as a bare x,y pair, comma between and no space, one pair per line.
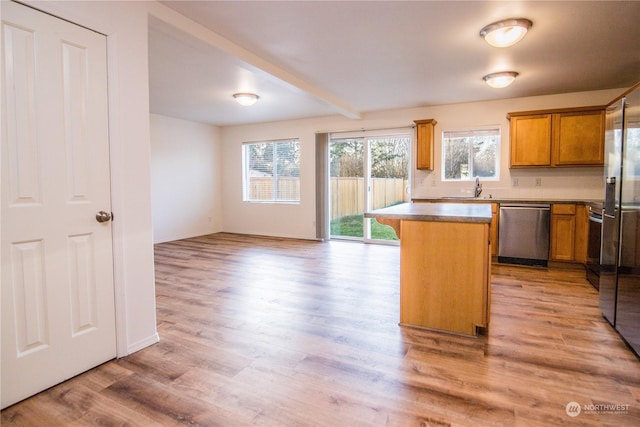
610,196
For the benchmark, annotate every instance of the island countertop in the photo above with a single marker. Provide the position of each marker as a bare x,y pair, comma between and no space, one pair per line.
438,212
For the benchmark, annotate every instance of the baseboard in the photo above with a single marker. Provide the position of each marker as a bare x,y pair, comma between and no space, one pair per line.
137,346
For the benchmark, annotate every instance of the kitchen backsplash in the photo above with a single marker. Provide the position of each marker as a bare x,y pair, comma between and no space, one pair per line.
541,183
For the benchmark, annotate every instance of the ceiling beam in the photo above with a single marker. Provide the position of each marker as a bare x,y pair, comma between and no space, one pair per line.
200,32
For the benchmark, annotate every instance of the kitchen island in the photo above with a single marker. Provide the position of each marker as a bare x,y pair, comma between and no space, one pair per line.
445,264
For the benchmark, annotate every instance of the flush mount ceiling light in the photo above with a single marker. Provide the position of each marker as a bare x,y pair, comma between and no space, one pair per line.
246,99
507,32
500,80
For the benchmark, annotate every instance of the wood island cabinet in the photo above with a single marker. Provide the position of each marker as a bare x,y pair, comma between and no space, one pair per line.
424,143
493,231
445,264
445,270
556,138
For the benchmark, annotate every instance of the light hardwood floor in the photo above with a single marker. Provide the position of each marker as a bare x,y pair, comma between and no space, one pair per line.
277,332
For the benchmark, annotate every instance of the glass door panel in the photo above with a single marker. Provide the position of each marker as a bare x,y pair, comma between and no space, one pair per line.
388,180
346,191
366,173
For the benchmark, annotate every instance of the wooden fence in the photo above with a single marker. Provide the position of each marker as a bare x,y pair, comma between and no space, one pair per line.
261,188
347,194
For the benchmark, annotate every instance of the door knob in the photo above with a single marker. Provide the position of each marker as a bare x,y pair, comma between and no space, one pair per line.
103,216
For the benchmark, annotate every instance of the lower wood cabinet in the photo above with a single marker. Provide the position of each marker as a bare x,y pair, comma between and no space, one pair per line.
582,233
568,239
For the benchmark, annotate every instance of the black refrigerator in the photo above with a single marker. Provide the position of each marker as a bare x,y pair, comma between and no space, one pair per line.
620,250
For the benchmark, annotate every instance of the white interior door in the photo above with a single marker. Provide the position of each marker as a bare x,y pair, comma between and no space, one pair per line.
58,315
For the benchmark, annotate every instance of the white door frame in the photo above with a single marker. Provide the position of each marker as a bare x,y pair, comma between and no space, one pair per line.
117,234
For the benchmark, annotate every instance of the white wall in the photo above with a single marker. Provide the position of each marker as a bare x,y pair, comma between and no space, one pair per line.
298,220
186,190
285,220
125,25
557,183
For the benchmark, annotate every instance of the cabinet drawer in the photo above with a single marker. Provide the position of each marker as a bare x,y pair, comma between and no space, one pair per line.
563,209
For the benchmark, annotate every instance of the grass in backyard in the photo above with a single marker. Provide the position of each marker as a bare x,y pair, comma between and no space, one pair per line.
352,226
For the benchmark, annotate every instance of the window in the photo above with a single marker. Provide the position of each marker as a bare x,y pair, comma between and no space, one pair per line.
468,154
271,171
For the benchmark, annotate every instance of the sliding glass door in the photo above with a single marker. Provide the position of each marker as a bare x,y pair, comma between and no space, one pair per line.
366,172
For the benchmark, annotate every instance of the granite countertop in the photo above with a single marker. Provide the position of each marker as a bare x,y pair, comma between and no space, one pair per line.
439,212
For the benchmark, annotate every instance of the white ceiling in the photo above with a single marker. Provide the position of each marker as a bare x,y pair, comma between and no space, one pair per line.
319,58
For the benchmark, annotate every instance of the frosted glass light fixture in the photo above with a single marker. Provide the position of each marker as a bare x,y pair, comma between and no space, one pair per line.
507,32
500,80
246,99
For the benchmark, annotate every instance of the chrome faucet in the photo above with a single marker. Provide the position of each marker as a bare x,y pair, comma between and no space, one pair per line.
478,188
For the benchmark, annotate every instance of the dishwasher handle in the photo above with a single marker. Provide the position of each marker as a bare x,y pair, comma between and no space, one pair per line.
526,206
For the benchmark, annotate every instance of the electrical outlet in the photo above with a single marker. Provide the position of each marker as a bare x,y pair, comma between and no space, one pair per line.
514,182
538,182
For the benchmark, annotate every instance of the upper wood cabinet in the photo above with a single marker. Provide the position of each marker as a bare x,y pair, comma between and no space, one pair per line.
562,137
424,140
530,137
578,138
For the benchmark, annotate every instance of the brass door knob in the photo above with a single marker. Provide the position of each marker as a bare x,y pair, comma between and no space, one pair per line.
103,216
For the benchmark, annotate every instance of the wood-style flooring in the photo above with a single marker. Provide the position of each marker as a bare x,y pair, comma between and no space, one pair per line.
277,332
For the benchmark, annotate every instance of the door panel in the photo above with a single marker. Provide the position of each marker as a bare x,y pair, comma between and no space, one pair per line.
628,297
388,178
58,315
368,172
347,187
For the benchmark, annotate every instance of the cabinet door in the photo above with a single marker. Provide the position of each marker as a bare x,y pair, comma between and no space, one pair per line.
563,226
424,142
582,233
493,237
578,138
530,140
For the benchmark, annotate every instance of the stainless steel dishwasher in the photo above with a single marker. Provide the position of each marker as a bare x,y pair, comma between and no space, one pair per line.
523,234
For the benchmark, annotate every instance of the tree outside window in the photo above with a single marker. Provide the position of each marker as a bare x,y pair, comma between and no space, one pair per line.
470,154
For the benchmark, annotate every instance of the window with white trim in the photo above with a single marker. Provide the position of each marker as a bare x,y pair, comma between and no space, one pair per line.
471,154
271,171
